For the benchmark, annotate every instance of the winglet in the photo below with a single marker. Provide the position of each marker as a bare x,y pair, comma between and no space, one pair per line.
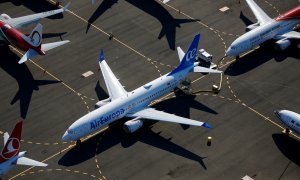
101,55
66,6
206,125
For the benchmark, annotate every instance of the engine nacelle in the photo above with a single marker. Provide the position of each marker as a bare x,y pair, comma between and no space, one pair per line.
132,125
282,44
102,103
252,26
5,16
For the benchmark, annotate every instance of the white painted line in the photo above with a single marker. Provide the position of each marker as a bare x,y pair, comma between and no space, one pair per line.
224,9
87,74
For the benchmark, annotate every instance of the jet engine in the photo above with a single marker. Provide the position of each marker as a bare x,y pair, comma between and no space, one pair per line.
252,26
282,44
102,103
5,16
132,125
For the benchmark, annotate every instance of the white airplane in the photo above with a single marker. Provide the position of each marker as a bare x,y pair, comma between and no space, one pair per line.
134,104
32,44
290,119
11,155
279,28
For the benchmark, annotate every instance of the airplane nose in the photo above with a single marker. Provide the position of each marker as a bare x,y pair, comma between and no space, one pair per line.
277,113
228,52
65,137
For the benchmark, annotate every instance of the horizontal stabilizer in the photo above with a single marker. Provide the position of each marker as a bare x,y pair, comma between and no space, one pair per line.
49,46
205,70
30,162
5,137
29,54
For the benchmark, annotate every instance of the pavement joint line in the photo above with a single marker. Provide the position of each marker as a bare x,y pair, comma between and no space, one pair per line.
203,24
50,170
61,151
102,31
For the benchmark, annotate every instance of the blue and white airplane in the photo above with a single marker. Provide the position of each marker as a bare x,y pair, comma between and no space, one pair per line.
290,119
135,104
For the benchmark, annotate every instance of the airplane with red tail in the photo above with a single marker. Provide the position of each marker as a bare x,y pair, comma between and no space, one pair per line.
280,29
11,155
32,44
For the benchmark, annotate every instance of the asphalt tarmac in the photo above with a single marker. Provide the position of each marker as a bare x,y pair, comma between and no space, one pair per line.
49,93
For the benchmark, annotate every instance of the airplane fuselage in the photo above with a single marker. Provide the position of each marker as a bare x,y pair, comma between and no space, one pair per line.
260,35
290,119
131,102
14,37
8,164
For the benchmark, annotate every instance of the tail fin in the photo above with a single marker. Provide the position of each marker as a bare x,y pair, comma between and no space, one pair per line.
12,146
35,37
189,57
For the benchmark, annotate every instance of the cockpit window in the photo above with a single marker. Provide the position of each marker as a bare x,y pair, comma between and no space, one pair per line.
71,131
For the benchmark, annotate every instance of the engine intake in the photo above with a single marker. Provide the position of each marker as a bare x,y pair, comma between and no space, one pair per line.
282,44
133,125
102,103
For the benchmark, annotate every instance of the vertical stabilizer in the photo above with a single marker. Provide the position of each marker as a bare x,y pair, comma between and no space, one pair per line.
189,57
12,146
35,37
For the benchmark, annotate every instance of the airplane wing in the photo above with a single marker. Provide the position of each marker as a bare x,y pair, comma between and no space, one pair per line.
114,87
260,15
289,35
150,113
29,162
34,18
5,137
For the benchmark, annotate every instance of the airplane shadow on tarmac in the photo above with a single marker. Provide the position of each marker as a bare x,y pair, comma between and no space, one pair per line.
153,8
288,146
35,5
21,73
260,56
115,135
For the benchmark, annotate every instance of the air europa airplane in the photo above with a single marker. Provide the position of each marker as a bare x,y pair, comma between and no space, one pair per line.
134,104
279,28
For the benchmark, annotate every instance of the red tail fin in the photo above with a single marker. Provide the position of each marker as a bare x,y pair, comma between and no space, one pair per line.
12,146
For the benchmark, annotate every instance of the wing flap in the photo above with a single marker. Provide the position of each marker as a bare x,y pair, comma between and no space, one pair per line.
114,87
30,162
152,114
260,15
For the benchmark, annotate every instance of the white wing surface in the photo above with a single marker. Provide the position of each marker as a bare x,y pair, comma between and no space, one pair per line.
34,18
114,87
150,113
289,35
260,15
30,162
5,137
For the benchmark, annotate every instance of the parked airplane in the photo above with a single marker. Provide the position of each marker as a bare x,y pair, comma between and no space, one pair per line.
32,43
134,104
11,155
279,28
290,119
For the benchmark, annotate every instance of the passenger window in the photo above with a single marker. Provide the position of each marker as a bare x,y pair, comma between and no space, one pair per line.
293,121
